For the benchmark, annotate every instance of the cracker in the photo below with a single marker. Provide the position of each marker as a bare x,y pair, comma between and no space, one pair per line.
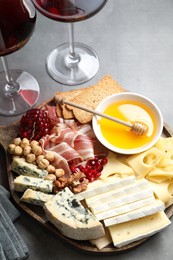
90,97
93,95
62,110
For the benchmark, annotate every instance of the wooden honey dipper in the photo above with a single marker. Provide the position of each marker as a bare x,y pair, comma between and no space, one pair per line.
136,127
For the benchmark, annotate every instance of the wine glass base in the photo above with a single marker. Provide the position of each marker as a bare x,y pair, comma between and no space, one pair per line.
73,73
18,102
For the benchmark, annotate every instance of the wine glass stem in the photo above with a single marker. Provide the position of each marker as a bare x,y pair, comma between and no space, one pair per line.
73,58
12,86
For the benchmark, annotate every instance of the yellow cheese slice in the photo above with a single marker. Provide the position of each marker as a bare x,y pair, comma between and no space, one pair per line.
164,191
144,162
115,167
162,172
128,232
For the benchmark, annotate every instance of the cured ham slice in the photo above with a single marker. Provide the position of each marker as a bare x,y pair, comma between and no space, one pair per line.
67,152
82,143
70,142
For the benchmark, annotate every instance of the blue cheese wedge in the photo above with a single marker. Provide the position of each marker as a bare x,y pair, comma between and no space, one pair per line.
21,167
35,197
66,213
22,183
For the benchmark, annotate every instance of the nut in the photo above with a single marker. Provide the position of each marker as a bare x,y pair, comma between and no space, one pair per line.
59,173
11,148
26,150
37,150
43,164
18,150
51,169
34,142
50,177
40,157
50,156
17,141
30,158
24,142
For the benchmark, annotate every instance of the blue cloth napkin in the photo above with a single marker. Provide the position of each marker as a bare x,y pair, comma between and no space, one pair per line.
12,246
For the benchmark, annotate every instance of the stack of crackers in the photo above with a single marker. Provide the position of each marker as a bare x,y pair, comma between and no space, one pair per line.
89,97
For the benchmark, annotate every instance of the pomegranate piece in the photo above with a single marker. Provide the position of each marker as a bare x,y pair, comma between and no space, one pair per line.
92,168
34,124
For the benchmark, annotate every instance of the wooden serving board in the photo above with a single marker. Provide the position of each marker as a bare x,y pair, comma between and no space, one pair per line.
7,134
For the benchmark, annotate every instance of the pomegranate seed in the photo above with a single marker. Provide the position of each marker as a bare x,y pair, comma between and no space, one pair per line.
92,168
104,161
34,124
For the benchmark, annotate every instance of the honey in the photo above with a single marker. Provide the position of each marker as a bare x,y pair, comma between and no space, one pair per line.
130,111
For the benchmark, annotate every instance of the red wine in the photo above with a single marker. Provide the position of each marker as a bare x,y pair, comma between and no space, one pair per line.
69,10
17,22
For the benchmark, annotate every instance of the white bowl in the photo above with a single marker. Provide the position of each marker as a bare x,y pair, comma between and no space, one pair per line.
128,96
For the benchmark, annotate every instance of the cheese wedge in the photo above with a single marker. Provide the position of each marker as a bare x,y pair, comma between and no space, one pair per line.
66,213
35,197
134,230
21,167
136,214
22,183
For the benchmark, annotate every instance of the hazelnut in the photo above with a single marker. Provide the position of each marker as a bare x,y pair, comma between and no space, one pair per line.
26,150
17,141
43,164
50,168
34,142
50,177
24,142
40,157
59,173
11,148
30,158
50,156
37,150
18,150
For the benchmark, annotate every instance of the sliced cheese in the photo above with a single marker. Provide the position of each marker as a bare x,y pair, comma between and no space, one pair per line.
134,230
22,183
100,186
21,167
114,166
111,195
164,191
142,163
102,242
35,197
137,196
112,212
135,214
66,213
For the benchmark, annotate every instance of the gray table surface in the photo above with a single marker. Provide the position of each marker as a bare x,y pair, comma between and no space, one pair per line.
134,41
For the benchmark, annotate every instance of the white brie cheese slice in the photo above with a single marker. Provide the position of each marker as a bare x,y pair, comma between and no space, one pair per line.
136,214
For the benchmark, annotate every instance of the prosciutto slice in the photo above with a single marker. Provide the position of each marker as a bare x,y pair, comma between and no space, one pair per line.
83,144
70,142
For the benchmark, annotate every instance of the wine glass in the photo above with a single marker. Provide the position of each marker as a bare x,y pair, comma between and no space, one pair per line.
19,90
71,63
